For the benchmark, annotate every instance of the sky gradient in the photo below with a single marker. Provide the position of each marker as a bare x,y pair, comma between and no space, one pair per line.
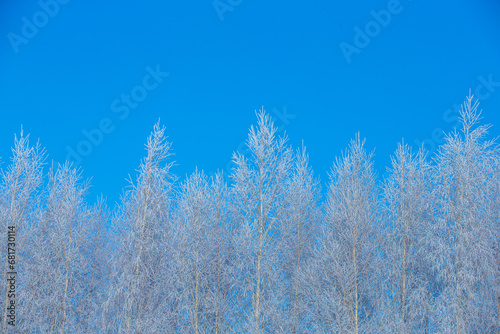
93,78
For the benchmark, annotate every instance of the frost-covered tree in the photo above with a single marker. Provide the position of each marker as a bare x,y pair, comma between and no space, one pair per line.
299,233
56,294
408,212
463,244
140,298
95,248
342,282
261,202
495,236
202,266
19,185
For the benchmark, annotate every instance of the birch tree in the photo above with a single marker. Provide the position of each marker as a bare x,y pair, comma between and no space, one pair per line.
299,235
95,280
55,264
344,268
408,204
19,194
140,300
202,255
463,247
261,202
495,236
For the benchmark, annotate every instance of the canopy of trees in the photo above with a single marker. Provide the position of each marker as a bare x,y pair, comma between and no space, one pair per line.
262,250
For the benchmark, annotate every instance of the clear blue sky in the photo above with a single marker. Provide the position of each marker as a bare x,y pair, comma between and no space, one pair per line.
68,68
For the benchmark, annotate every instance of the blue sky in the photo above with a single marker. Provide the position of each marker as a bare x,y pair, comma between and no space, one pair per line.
70,67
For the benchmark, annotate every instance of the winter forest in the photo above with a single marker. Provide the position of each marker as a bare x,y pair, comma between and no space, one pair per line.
263,250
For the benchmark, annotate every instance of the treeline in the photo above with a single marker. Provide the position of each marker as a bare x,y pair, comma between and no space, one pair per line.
416,252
